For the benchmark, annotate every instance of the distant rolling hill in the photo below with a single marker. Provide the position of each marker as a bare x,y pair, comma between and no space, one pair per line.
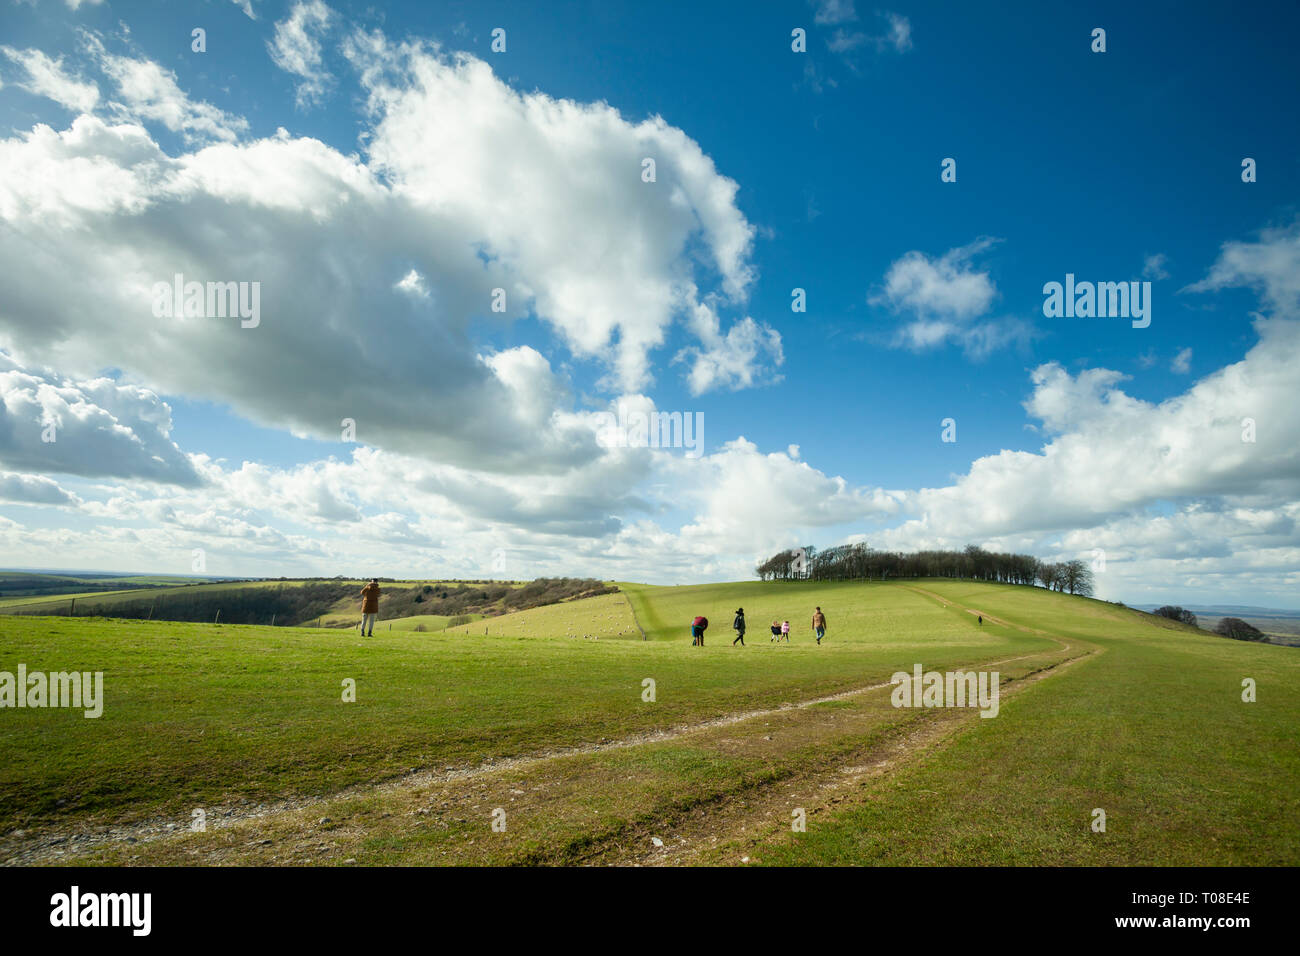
329,602
1229,610
35,583
1282,625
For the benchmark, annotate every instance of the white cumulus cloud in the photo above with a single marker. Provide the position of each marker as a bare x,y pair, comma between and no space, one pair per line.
296,48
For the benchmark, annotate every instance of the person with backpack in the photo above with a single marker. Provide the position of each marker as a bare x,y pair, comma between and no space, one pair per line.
738,625
698,627
819,624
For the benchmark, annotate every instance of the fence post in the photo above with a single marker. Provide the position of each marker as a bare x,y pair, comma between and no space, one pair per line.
218,617
72,611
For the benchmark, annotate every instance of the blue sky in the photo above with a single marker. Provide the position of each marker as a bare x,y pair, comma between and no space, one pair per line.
1115,166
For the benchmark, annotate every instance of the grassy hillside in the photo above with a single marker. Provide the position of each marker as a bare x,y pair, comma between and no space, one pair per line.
608,617
420,622
244,602
1153,730
203,712
855,611
1103,708
328,602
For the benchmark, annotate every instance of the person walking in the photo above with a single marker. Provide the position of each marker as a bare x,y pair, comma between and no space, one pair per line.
369,606
739,626
785,631
819,624
776,631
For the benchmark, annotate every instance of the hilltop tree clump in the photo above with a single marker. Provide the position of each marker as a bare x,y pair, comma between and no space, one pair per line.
859,562
1073,577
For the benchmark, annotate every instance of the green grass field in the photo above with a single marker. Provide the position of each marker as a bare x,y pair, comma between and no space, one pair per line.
607,616
1153,731
429,622
1146,722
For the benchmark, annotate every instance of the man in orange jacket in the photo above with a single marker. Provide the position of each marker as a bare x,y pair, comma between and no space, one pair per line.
369,605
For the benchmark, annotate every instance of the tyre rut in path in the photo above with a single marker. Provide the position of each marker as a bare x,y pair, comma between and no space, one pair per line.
728,832
53,846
